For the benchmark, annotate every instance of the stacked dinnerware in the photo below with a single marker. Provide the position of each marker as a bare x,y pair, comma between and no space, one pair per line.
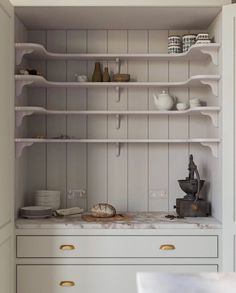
174,45
203,38
48,198
36,212
194,102
188,40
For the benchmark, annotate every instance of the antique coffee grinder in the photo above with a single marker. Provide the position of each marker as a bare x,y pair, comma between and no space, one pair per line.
191,205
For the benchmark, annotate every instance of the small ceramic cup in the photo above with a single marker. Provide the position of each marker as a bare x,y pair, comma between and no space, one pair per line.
181,106
189,38
194,102
81,78
174,49
174,41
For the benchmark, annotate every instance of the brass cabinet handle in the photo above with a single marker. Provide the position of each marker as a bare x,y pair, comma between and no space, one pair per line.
67,284
67,247
167,247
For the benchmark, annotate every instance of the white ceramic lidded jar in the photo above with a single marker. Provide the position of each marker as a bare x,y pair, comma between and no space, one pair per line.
164,101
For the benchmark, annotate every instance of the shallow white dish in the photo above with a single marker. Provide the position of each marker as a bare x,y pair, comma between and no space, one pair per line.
35,208
36,212
36,217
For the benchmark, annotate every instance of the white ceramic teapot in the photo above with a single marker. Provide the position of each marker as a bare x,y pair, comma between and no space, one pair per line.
164,101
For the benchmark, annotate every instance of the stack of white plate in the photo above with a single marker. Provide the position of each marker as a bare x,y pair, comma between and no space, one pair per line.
48,198
194,102
36,212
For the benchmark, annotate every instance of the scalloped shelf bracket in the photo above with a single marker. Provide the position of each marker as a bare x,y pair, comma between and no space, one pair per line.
20,84
213,84
20,115
212,115
213,53
20,53
117,89
20,146
213,147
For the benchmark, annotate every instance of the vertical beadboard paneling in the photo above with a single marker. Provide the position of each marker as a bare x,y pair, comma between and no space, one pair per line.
117,166
76,125
158,125
56,126
125,181
138,126
178,128
97,127
76,41
37,175
201,126
21,168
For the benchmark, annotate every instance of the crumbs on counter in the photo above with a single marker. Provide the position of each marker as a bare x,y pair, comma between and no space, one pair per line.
172,217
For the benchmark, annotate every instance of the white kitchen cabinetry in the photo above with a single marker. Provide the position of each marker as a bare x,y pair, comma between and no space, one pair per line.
90,278
117,246
119,148
6,148
228,168
101,260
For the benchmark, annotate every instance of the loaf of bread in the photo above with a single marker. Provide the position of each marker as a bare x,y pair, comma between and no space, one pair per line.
103,210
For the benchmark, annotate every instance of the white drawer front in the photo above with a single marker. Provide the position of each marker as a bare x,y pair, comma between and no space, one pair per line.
116,246
91,278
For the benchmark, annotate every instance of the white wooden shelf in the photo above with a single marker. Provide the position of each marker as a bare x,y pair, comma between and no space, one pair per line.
37,51
21,112
212,143
39,81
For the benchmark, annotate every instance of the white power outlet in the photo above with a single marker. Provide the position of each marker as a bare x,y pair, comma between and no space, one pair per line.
158,194
76,193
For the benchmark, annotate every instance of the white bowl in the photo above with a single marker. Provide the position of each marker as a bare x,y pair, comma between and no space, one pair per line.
181,106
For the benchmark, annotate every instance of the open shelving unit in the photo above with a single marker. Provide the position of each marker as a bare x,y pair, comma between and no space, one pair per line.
22,112
212,143
37,51
39,81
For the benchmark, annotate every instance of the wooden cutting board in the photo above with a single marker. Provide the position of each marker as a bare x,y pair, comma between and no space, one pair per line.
116,218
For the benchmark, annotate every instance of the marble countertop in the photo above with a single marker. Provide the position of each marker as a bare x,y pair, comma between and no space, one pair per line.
140,220
190,283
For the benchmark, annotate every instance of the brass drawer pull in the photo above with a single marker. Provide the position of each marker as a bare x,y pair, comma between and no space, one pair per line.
67,284
167,247
67,247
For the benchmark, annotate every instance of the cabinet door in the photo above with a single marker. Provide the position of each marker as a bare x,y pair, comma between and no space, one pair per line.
6,145
91,278
229,135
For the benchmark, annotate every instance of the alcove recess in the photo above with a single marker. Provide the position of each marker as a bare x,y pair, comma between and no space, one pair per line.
122,150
